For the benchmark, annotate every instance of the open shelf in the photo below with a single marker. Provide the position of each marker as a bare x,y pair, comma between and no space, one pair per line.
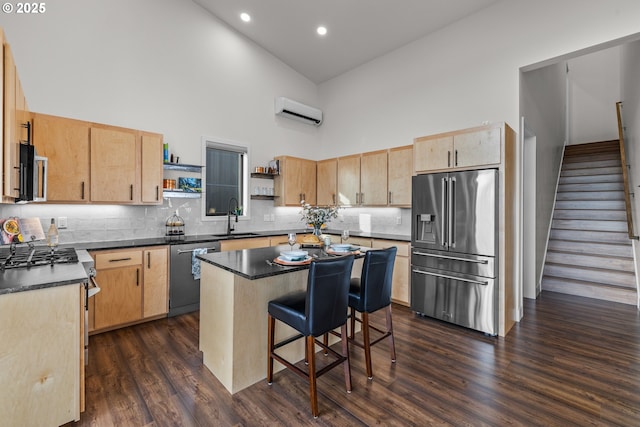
263,175
180,194
182,167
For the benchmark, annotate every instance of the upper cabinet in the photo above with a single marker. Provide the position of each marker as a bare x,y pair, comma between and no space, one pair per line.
327,179
400,170
15,124
373,178
65,142
349,180
91,162
476,147
296,181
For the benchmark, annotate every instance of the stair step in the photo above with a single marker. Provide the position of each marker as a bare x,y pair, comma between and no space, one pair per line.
588,214
588,225
592,147
591,195
594,171
584,179
590,290
574,260
594,164
592,248
595,275
597,186
608,205
589,236
579,158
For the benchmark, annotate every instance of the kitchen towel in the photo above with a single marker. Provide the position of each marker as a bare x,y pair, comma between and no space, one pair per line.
195,262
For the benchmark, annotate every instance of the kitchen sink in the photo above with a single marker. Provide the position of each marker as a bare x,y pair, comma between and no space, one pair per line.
235,235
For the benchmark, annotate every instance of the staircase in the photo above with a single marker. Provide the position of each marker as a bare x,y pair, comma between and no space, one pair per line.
589,251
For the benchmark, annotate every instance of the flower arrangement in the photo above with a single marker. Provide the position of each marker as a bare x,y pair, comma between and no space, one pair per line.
317,216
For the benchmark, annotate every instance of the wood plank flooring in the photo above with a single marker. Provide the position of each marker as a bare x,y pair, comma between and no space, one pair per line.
571,361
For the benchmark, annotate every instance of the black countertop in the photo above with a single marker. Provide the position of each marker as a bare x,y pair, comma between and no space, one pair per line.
252,263
27,279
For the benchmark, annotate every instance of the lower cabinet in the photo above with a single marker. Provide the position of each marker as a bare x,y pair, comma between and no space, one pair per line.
250,243
400,287
134,286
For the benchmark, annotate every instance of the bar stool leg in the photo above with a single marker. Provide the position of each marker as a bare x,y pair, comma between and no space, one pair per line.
345,353
311,359
271,330
367,344
353,323
392,344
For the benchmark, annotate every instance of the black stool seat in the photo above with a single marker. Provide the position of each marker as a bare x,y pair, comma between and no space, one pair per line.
314,312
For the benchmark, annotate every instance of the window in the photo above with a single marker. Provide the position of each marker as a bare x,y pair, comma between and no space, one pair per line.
225,178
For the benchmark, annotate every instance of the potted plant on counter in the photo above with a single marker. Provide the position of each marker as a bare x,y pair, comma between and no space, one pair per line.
317,217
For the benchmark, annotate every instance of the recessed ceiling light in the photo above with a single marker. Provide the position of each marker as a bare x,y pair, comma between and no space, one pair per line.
245,17
322,30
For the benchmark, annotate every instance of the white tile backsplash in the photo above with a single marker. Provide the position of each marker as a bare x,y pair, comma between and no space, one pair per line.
89,223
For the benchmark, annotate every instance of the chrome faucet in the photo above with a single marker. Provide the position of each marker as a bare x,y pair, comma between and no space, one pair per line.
230,212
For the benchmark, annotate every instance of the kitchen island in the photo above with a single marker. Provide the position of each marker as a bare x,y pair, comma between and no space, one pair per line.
235,289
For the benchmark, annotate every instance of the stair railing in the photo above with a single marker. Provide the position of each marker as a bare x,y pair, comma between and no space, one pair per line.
625,174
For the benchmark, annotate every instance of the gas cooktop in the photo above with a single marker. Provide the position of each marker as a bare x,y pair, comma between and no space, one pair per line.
30,256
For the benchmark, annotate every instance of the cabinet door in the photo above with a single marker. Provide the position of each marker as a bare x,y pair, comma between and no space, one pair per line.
477,148
120,298
151,168
65,142
296,182
349,180
433,153
327,182
400,286
11,131
373,178
156,282
399,176
113,165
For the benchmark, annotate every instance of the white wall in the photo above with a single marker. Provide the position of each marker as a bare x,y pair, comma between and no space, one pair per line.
594,89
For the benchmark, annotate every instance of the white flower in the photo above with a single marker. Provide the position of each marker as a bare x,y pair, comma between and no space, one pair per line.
317,216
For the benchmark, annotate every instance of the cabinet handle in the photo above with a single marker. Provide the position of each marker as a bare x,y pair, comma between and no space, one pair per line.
120,259
131,192
27,126
157,193
362,198
456,158
448,159
333,196
137,277
357,198
390,198
82,191
148,259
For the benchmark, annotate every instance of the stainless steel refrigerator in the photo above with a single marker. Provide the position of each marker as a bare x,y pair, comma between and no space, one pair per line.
455,248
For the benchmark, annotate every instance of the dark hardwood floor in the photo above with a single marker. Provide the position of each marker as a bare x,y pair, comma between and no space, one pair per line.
570,361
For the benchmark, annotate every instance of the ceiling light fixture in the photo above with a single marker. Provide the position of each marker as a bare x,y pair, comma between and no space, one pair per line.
245,17
321,30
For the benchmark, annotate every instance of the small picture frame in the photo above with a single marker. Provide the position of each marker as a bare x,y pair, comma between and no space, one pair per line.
190,185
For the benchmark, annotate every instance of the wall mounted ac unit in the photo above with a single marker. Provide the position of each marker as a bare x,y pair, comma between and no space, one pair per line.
297,111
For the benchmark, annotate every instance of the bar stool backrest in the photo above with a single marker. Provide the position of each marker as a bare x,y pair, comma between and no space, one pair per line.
376,279
327,294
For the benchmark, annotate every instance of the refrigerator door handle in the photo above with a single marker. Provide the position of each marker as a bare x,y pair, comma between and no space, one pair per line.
445,276
443,214
452,214
477,261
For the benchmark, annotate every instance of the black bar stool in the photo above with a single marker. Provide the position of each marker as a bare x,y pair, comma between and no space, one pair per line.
371,293
314,312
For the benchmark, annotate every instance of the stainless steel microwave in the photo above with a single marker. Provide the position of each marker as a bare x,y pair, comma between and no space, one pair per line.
33,175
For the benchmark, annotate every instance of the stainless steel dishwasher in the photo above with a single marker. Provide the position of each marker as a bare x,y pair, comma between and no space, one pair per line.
184,288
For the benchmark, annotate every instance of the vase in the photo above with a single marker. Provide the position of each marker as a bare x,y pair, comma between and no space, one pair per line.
316,231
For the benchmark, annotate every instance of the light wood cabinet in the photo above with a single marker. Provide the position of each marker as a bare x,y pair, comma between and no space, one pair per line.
400,171
250,243
476,147
65,142
156,280
327,179
151,168
401,268
373,178
134,287
14,106
349,180
113,165
296,181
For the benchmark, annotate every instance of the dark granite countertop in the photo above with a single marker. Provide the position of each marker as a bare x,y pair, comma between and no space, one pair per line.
252,263
27,279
